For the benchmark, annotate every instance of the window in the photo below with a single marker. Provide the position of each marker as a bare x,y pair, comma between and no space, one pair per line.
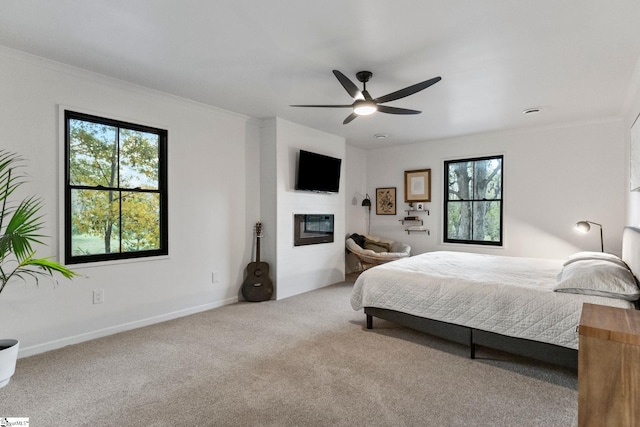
473,201
115,189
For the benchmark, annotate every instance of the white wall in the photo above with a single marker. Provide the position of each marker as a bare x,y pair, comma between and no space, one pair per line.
356,189
213,186
553,177
631,114
300,268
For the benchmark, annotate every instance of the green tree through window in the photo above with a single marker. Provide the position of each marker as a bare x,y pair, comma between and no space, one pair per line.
116,195
473,201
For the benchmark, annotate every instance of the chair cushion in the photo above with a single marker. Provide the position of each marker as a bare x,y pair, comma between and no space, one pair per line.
360,240
377,246
396,249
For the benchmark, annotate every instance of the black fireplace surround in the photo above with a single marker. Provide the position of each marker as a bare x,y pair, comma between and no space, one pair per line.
312,229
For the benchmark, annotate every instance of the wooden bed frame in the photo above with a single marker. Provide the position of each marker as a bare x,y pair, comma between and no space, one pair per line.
550,353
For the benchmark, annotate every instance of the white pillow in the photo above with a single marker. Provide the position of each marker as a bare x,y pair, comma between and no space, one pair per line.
598,277
602,256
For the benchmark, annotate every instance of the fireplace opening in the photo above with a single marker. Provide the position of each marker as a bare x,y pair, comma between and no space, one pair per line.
312,229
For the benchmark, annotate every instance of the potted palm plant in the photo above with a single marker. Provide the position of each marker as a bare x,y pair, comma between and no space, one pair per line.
20,225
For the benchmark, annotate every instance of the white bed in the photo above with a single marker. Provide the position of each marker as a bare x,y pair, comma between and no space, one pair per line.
478,299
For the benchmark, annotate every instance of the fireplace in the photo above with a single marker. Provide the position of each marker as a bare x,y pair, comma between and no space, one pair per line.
312,229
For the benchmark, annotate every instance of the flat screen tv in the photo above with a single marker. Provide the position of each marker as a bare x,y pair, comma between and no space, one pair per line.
317,172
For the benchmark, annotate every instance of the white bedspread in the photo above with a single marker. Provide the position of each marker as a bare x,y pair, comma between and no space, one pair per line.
507,295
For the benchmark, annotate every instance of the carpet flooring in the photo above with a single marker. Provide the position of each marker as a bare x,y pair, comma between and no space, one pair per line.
307,360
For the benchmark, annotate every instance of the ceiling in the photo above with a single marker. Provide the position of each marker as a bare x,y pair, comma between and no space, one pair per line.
573,59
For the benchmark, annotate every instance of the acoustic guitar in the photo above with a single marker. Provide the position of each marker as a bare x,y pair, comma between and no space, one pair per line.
257,286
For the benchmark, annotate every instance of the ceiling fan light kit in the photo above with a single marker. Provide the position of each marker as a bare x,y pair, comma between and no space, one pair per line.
363,104
364,108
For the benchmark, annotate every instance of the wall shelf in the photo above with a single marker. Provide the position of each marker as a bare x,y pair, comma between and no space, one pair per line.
408,211
413,218
404,221
409,231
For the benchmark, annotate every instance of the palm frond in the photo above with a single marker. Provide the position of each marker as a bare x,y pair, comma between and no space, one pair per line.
21,231
47,266
10,177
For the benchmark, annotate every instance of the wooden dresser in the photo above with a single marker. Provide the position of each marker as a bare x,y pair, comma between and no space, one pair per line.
609,367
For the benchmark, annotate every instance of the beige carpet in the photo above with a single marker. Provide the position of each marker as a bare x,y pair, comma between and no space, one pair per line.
303,361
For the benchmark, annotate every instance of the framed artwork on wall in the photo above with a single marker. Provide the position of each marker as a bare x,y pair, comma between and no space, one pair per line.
417,185
386,201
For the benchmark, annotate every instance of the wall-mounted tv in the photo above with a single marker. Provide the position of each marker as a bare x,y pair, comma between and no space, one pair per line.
317,172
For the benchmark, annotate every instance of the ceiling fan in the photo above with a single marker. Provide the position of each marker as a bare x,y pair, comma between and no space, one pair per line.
364,105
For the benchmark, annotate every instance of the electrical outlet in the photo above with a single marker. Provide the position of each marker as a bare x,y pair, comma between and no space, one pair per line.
98,296
215,277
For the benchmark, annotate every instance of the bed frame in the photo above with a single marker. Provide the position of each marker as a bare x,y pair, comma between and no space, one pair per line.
550,353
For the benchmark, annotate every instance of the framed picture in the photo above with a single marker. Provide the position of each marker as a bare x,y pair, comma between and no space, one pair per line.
386,201
417,186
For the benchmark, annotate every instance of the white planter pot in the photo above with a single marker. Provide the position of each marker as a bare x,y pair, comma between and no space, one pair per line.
8,357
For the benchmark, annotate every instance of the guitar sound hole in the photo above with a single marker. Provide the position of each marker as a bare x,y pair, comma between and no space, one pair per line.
257,273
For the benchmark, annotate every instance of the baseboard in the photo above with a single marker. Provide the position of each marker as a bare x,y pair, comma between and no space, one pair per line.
76,339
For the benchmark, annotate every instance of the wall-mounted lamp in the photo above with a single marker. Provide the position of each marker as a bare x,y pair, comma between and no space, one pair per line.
585,226
366,202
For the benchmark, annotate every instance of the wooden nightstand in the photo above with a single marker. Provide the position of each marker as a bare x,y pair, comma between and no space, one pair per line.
609,367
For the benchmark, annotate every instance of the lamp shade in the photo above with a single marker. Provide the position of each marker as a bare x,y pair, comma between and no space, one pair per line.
583,226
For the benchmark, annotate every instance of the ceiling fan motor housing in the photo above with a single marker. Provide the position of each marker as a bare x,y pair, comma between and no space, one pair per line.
364,76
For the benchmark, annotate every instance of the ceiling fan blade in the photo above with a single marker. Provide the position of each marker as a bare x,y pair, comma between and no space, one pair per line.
396,110
407,90
324,106
365,94
348,85
349,118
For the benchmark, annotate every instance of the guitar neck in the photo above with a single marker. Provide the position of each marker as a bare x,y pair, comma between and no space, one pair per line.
257,248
